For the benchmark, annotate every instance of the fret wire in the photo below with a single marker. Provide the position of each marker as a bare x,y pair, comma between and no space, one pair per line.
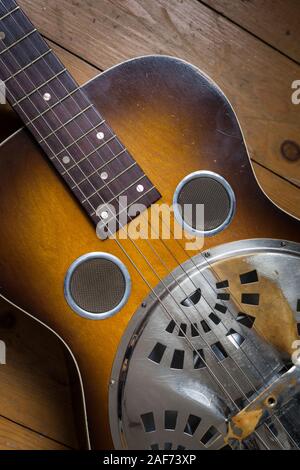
105,143
115,137
93,208
95,169
53,106
39,87
9,13
117,195
19,40
75,141
92,152
31,121
81,137
76,186
111,181
62,125
126,208
59,101
103,166
136,200
28,65
86,157
79,148
46,142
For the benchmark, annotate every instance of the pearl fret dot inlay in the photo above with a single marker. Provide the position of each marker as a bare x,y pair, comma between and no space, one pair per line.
47,96
100,135
66,160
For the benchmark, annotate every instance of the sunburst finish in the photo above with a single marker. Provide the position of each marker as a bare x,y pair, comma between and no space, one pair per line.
174,121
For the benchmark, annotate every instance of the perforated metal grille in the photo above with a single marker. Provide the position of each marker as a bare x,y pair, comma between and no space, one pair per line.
165,393
212,194
97,285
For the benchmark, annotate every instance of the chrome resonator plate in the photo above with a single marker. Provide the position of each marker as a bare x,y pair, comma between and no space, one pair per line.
216,332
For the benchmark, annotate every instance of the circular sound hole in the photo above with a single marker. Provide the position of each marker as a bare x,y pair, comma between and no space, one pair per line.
211,191
97,285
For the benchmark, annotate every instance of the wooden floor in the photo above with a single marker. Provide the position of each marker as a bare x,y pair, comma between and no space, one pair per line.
252,50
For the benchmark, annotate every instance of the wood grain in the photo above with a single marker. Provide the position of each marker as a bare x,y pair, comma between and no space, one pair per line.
256,78
258,85
171,112
15,437
35,389
274,21
36,410
82,71
274,185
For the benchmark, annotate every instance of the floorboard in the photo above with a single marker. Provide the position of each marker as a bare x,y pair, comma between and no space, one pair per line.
256,78
274,21
251,49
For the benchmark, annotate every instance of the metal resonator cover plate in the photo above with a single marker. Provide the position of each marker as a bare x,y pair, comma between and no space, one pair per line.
215,332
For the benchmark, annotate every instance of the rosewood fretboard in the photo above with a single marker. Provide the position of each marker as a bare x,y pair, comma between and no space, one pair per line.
75,137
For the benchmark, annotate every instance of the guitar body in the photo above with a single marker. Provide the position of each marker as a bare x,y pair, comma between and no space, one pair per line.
174,121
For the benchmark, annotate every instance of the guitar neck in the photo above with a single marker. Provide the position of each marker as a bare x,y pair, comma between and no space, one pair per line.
80,144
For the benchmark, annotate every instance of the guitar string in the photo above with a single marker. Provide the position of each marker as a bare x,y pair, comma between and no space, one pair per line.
206,280
116,196
195,285
232,296
275,416
69,169
216,337
148,284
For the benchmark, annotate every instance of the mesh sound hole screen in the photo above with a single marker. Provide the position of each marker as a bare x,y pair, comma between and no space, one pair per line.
212,194
97,285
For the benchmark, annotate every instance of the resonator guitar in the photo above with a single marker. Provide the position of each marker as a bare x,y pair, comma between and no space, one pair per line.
181,342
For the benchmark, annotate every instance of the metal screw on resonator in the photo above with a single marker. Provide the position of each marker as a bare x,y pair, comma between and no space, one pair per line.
167,396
